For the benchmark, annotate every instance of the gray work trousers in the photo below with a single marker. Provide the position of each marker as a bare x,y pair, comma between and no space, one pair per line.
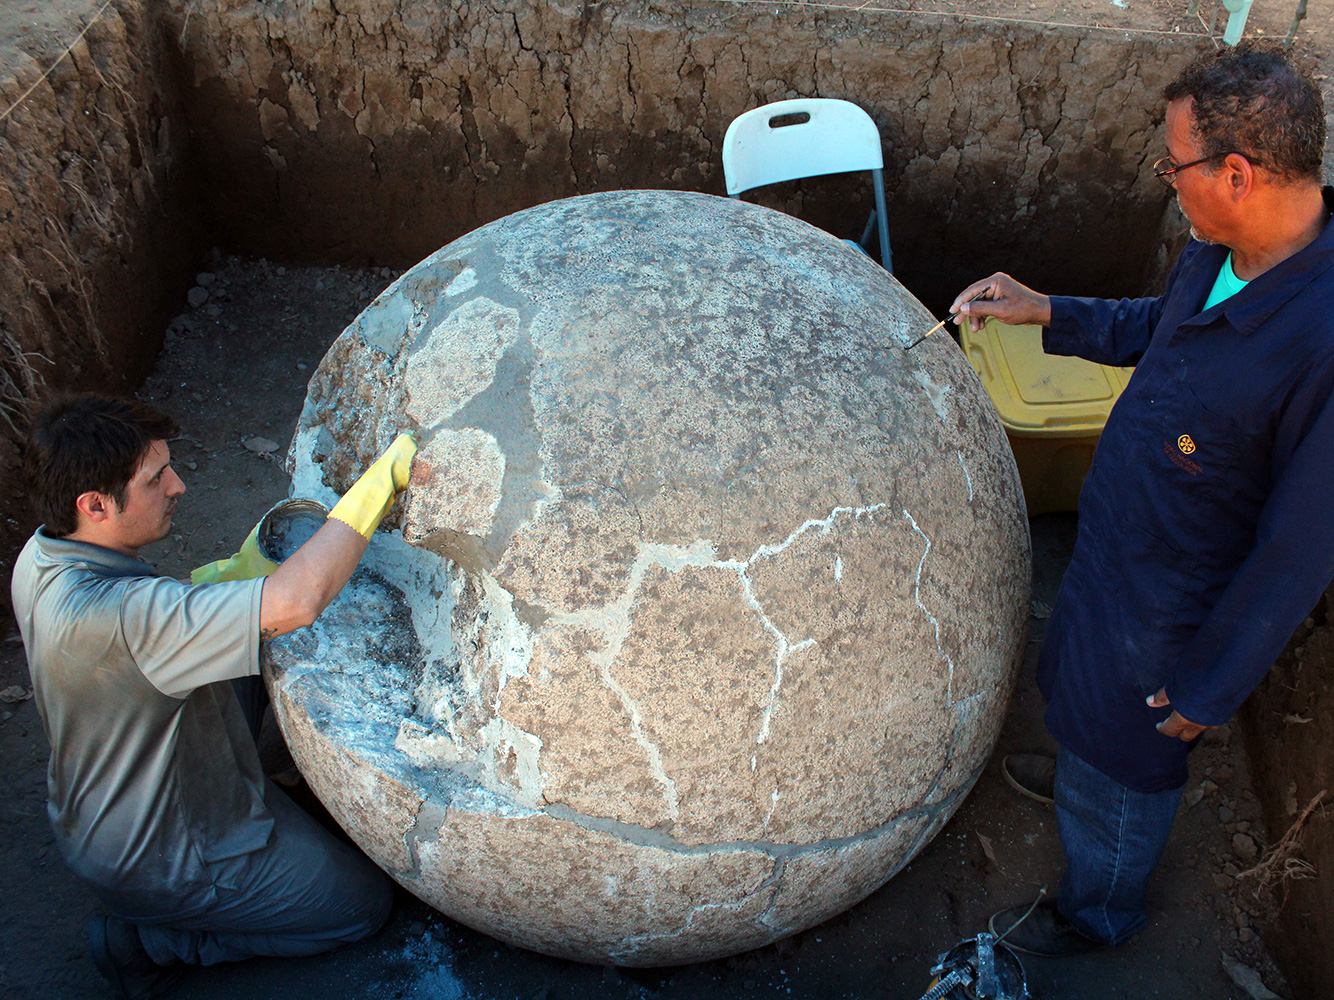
304,892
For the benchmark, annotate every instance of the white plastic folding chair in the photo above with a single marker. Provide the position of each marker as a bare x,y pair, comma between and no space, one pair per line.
807,137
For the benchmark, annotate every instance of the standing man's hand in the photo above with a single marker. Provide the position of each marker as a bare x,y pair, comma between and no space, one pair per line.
1003,297
1176,725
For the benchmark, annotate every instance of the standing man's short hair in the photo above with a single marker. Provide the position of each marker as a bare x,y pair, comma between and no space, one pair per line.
88,442
1254,101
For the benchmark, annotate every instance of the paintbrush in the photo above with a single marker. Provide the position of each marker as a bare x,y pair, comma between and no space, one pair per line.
972,298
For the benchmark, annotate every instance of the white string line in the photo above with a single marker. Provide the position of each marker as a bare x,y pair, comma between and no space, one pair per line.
51,69
867,7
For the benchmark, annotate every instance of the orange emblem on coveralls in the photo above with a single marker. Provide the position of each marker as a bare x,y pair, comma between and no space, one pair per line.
1186,445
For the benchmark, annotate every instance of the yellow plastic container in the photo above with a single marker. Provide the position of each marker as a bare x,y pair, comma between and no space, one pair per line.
1053,408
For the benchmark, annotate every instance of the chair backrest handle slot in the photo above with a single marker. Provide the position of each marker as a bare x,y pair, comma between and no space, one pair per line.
807,137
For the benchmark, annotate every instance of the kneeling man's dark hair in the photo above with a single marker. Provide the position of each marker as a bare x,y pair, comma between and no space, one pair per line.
89,442
1253,100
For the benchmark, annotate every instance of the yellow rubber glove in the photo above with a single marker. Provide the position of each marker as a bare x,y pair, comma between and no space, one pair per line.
247,564
371,496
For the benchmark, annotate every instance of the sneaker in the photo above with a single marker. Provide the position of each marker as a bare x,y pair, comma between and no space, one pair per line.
1031,774
119,955
1044,932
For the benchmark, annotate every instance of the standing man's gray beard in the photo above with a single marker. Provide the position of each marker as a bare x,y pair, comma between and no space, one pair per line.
1194,233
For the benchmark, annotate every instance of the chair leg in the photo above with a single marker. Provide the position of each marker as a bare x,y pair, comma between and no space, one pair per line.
882,219
868,232
868,240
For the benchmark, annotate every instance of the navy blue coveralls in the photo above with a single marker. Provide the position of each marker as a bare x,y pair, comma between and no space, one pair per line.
1206,524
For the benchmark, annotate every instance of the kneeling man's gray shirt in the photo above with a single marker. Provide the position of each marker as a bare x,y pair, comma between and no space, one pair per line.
153,770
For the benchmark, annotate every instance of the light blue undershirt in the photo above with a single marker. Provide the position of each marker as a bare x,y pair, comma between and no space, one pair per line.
1226,285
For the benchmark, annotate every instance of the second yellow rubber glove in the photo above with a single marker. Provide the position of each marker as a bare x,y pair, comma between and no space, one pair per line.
247,564
370,497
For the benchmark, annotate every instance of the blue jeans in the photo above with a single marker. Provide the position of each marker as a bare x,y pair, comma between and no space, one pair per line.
1112,838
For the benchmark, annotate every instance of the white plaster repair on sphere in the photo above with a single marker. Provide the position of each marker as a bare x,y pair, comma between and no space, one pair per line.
514,756
968,476
936,393
935,623
465,281
461,691
388,321
458,359
424,746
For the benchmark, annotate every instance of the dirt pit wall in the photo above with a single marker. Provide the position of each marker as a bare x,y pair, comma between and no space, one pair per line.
1290,736
98,227
376,131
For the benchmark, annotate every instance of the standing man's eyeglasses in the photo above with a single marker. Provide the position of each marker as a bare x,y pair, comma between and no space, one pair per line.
1166,171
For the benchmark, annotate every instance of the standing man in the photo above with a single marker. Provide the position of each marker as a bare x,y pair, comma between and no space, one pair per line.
157,797
1206,531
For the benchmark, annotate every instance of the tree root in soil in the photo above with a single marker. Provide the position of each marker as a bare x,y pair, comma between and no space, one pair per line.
1281,864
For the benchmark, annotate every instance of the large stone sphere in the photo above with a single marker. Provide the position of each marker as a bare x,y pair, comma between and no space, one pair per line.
703,609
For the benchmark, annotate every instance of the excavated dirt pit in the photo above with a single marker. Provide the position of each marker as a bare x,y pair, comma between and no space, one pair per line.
343,138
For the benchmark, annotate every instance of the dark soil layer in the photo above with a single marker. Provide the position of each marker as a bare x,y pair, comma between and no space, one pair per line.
1289,722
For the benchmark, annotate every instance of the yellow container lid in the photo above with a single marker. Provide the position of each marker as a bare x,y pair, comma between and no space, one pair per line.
1037,394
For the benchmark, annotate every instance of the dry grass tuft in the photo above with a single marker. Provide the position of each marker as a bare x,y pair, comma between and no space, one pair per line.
19,382
77,281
